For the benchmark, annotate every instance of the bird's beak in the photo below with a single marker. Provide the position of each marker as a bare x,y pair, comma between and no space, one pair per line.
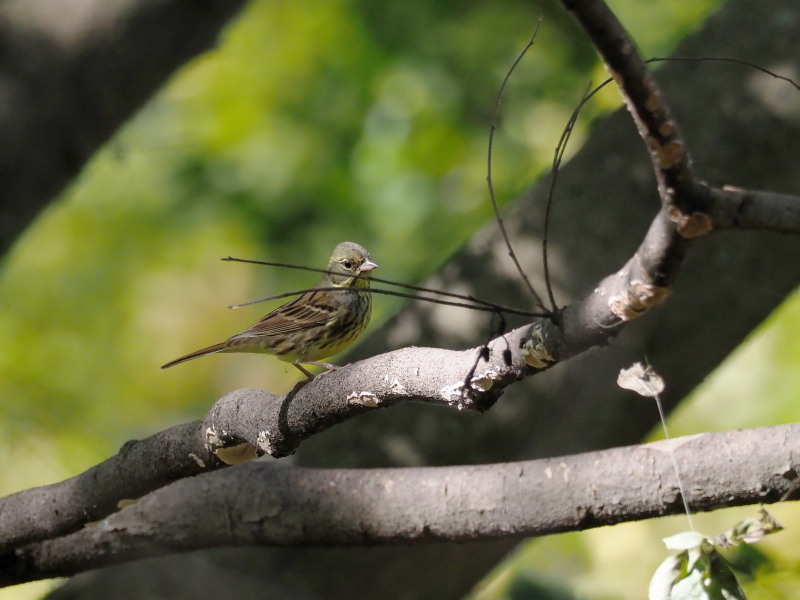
367,266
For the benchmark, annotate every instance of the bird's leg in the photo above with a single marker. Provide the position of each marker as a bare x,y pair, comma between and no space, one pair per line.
327,366
303,370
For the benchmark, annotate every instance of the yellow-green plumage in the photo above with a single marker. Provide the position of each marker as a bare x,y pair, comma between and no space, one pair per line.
315,325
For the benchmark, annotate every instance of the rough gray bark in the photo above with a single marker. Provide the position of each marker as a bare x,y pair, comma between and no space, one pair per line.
265,504
746,137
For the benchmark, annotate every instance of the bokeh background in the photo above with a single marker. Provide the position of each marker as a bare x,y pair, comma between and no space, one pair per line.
314,122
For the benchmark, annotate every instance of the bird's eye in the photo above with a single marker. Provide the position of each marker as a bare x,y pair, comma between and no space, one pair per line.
347,264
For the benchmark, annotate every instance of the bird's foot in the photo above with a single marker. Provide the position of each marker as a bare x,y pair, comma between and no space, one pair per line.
327,366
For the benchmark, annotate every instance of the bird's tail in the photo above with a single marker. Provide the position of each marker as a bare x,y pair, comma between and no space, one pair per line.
222,346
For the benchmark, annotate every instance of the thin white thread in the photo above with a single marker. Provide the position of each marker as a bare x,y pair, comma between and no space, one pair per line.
674,462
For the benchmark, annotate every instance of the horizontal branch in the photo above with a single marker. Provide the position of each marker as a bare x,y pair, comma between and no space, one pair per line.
272,424
261,504
740,209
138,468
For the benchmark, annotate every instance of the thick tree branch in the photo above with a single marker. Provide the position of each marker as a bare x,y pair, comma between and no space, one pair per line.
140,467
742,210
668,152
273,424
266,504
694,207
72,74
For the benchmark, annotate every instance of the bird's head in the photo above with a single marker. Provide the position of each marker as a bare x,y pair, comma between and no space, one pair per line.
348,261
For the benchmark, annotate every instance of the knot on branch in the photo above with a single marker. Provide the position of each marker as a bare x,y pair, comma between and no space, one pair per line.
366,399
636,299
690,225
668,155
235,454
477,392
248,423
534,348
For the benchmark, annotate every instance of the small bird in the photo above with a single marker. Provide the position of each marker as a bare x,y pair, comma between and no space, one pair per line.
315,325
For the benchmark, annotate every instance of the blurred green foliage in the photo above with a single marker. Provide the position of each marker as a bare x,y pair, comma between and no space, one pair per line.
313,122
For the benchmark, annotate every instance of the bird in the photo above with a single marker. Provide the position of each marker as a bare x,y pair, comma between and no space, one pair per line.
319,323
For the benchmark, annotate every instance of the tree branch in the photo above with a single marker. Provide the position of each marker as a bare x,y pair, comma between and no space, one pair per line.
72,76
739,209
692,206
265,504
140,467
669,154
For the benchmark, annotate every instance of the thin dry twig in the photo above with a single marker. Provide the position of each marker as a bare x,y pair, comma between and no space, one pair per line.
557,158
537,300
485,305
728,59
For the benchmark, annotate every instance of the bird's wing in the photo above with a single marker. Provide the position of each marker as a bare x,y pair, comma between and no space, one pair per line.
313,309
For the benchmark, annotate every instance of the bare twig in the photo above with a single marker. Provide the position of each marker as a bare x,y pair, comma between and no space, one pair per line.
483,306
476,303
537,300
727,59
558,155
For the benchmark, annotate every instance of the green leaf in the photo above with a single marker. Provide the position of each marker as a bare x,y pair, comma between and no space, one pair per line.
697,573
684,540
